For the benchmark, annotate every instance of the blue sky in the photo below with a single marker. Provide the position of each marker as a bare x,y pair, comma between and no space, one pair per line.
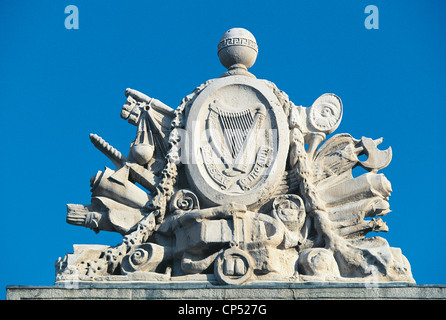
57,86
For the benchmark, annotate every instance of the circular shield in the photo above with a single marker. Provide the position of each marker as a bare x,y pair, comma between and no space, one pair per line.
326,113
237,142
233,266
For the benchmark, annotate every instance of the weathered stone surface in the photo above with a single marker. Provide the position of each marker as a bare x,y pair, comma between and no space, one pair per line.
207,291
238,183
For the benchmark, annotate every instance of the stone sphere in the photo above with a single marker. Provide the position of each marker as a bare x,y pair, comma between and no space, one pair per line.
142,153
237,46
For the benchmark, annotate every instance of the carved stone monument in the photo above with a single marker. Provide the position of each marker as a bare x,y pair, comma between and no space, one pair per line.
237,185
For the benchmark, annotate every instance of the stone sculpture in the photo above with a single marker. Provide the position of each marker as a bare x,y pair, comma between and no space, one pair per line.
237,184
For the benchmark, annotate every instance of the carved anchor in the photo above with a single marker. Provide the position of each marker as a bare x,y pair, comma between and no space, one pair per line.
376,159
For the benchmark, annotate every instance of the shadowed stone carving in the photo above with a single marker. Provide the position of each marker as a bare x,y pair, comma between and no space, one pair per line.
237,184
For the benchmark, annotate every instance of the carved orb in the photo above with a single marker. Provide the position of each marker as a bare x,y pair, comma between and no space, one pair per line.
237,47
142,153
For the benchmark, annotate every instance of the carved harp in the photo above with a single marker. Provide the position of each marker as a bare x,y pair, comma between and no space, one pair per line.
238,130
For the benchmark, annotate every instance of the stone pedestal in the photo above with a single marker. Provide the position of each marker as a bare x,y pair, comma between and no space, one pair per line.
207,291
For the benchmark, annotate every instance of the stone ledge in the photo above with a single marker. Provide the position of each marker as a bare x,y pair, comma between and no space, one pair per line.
208,291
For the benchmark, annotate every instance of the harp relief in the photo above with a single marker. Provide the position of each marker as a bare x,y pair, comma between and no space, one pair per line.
237,128
240,131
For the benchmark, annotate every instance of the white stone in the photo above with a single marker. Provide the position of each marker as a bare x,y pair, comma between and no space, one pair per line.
232,192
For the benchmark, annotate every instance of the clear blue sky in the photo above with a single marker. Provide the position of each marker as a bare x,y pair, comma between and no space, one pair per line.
57,86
